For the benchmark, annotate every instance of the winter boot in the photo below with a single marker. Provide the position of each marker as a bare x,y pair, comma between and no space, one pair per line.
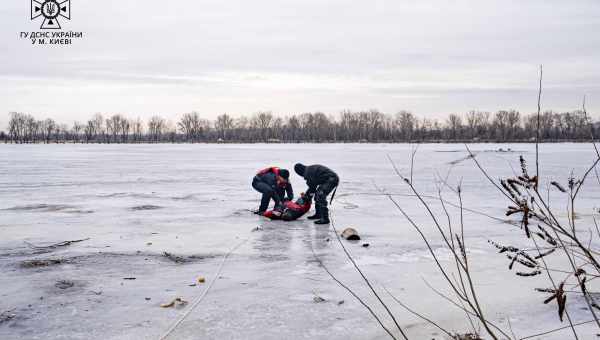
324,219
317,214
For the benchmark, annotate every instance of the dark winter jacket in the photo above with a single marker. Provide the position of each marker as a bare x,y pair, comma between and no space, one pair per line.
315,175
271,179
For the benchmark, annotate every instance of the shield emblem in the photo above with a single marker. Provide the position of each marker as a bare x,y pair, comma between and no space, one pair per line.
50,10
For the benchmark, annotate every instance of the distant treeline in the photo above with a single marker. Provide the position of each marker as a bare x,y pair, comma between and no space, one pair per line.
348,126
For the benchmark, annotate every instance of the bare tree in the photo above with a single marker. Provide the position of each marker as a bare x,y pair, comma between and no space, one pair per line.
261,121
125,128
454,123
98,124
156,128
350,126
48,127
188,124
76,130
223,125
137,127
406,123
292,130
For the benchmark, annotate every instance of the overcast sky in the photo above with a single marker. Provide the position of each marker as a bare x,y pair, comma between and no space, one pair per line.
148,57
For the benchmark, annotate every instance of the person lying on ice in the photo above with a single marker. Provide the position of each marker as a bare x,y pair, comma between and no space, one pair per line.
272,183
292,210
321,182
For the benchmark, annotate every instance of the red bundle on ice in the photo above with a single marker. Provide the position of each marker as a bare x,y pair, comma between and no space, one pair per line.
292,210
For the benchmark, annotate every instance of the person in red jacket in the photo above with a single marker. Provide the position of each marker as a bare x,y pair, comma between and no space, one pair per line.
292,210
272,183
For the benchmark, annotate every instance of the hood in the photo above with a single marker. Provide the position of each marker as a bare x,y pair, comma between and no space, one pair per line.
300,169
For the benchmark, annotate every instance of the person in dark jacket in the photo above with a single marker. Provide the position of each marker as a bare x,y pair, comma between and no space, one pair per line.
321,182
272,183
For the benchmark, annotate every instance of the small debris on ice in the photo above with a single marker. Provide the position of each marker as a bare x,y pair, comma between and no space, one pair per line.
175,302
64,284
201,279
6,316
467,336
460,160
341,302
40,263
146,207
350,234
174,258
56,245
259,228
318,299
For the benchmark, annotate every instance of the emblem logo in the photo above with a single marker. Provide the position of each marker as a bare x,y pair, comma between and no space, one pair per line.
51,10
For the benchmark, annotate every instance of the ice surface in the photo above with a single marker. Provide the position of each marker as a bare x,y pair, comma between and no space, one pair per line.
135,202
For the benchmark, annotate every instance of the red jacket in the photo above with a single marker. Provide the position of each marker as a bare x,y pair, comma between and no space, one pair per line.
292,210
281,182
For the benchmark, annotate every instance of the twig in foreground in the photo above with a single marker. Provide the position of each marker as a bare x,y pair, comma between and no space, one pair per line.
352,292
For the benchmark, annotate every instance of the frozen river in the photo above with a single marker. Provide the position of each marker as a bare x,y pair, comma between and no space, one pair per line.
135,202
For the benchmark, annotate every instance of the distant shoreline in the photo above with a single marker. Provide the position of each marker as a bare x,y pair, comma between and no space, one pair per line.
300,142
505,126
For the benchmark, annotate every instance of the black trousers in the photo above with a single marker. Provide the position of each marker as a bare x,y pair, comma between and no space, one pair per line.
267,192
321,194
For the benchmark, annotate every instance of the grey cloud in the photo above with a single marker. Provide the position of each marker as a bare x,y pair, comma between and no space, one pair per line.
431,57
